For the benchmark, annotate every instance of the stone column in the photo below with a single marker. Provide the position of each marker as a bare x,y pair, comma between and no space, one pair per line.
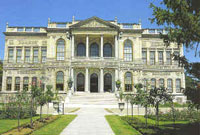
86,80
116,47
116,77
148,57
72,77
23,52
15,55
87,46
101,46
6,54
72,46
101,81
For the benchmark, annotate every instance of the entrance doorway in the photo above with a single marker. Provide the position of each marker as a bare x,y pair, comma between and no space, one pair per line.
80,82
107,82
94,83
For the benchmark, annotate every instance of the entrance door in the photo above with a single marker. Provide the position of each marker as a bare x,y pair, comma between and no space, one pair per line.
80,82
94,83
107,82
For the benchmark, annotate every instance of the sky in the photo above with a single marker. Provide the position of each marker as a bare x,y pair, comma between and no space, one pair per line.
37,12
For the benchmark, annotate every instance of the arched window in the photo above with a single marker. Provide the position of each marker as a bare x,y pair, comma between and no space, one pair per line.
153,83
60,55
169,85
128,50
128,81
80,49
161,83
60,81
107,50
107,82
94,50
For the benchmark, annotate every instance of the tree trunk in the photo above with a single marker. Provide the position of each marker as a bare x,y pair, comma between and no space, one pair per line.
48,108
157,114
138,110
146,116
127,108
132,111
31,112
40,112
18,117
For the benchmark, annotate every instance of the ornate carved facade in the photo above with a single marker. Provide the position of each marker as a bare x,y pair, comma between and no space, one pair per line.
94,53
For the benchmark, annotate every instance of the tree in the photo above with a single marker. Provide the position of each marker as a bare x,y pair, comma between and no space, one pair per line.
182,19
132,102
142,98
127,98
41,99
49,96
156,96
21,99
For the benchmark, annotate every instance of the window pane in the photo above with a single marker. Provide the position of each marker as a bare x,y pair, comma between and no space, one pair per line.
144,56
128,55
28,29
35,55
152,57
107,50
153,83
20,29
17,83
9,84
81,50
178,85
94,50
44,54
60,49
168,55
169,85
160,57
27,55
128,81
19,55
10,55
60,81
161,83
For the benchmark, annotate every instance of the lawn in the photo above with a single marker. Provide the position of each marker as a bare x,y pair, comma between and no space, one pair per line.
8,124
56,127
165,128
120,127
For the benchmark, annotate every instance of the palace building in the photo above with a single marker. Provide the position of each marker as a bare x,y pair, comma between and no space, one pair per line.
94,53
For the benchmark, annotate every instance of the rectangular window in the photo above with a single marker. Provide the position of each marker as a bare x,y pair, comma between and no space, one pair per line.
44,54
20,29
9,84
19,55
35,55
34,81
25,83
17,83
169,85
168,56
178,85
160,57
144,56
28,29
161,83
36,29
27,55
153,83
177,53
10,55
152,57
61,25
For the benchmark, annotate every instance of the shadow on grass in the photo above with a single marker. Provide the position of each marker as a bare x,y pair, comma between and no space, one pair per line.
164,129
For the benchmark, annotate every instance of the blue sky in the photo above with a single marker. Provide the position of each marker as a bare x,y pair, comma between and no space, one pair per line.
37,12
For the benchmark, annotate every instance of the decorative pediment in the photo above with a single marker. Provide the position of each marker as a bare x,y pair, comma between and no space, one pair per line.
94,22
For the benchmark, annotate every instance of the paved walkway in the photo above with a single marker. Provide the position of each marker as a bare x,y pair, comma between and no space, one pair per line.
90,121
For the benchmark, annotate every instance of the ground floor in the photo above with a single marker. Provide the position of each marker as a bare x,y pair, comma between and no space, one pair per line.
93,79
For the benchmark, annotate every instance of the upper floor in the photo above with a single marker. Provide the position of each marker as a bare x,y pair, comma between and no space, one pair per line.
88,41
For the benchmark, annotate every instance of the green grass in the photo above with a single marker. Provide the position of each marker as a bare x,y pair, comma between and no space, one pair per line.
120,127
165,127
8,124
56,127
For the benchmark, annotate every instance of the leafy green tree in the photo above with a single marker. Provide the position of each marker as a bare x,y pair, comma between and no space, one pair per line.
156,96
49,95
21,100
127,98
41,99
132,102
181,18
142,98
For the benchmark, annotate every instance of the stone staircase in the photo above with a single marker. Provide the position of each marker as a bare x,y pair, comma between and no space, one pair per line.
96,100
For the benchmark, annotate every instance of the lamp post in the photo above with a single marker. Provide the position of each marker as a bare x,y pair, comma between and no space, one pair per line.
56,106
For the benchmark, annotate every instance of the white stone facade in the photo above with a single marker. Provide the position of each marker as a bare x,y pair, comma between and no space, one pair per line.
133,51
